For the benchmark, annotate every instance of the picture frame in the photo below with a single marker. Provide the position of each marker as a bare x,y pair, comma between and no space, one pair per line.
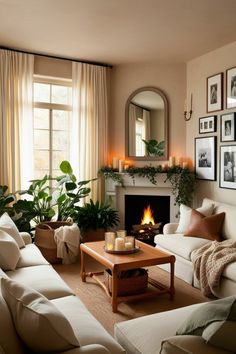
231,88
228,166
205,158
228,127
207,124
215,93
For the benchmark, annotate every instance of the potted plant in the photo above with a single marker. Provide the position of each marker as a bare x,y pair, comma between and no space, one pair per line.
154,148
6,200
94,219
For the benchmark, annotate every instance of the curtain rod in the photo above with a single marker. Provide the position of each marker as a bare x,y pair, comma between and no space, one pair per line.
56,57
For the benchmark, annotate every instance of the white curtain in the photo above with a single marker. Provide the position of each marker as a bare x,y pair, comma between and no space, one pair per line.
89,122
132,129
16,119
146,123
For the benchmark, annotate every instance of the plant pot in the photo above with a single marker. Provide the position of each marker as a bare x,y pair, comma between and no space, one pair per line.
44,239
91,235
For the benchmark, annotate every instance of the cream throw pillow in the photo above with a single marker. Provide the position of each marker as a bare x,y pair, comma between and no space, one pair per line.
9,252
185,216
7,225
40,325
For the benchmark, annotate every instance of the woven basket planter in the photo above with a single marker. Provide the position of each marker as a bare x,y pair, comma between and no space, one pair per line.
130,285
44,239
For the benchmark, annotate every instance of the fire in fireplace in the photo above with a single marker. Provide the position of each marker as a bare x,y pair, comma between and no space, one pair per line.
145,216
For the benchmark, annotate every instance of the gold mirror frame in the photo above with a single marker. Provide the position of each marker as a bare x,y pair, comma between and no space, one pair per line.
166,127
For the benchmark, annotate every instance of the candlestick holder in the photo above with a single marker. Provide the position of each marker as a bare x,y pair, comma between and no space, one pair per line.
188,115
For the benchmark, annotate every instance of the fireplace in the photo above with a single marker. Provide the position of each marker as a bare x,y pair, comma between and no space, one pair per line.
156,209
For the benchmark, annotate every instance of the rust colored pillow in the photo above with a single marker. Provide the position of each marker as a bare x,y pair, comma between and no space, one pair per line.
208,227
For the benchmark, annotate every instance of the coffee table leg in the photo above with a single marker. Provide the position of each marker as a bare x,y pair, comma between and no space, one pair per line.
82,267
114,301
172,277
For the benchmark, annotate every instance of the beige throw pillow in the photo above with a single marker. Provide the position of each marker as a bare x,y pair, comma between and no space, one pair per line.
9,252
185,216
7,225
39,324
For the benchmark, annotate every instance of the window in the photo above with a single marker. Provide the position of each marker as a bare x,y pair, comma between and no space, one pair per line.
52,122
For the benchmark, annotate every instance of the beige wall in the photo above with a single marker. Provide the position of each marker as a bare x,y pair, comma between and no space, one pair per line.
127,78
52,67
197,72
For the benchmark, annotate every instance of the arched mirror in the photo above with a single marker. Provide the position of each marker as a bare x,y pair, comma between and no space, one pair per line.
147,125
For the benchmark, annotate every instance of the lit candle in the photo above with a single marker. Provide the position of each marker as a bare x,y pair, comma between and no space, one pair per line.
121,233
115,163
126,166
121,165
185,164
128,246
179,161
119,244
172,161
191,102
110,241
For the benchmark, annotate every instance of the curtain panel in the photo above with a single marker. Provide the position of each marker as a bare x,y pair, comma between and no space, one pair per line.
16,123
89,122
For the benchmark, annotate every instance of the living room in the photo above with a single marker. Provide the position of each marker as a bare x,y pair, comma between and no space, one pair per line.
181,50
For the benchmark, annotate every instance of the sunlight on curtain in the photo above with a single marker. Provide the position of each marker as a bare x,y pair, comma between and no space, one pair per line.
16,134
146,122
89,122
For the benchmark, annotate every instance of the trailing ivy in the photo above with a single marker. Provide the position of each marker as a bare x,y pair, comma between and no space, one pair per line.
182,180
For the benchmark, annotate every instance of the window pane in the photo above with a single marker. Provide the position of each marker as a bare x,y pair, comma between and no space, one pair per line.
41,118
41,160
57,158
39,174
61,120
61,94
41,139
41,92
60,140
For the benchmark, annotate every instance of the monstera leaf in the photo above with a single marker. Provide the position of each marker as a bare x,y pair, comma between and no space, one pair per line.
154,148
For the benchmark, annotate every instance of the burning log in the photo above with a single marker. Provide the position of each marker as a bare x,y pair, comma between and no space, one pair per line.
145,227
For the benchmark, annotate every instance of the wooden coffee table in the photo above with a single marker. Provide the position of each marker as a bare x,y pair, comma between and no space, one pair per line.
147,256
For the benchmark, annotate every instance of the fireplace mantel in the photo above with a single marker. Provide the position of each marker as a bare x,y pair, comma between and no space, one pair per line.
115,193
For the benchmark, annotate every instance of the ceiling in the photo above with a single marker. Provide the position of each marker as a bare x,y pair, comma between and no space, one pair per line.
118,31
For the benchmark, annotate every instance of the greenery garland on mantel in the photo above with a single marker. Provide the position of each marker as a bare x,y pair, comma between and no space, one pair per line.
182,180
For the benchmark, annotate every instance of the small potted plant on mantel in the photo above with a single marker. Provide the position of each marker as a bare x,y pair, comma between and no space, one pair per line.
94,219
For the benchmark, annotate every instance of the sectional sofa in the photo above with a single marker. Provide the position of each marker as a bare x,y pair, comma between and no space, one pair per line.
39,312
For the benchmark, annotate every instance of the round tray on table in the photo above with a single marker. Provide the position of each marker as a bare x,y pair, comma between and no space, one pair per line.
134,250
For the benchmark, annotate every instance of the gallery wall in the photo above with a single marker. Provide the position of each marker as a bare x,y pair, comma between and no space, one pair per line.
125,79
197,72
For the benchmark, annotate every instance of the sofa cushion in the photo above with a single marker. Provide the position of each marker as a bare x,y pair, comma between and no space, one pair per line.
221,334
7,225
9,251
188,344
42,278
185,215
30,255
230,271
179,244
218,310
209,227
86,328
39,323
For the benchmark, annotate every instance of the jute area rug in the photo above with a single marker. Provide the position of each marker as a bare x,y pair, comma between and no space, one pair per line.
97,302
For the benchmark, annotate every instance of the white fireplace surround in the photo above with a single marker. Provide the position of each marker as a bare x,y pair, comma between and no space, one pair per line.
139,186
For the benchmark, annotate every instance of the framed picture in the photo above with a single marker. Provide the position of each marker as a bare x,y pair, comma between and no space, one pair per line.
228,166
215,93
227,127
207,124
205,158
231,88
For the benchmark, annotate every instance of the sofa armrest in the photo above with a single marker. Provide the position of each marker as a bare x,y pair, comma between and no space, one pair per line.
187,344
88,349
26,237
170,228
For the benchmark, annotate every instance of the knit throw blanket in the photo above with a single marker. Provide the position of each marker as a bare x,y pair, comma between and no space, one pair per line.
209,263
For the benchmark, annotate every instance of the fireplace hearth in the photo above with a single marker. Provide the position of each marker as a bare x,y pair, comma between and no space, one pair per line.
146,215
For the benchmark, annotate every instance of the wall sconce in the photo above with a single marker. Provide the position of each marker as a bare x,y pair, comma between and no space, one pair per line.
188,114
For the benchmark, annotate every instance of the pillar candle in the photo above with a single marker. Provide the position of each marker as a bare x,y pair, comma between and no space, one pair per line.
179,161
128,246
172,161
185,164
119,244
115,163
121,165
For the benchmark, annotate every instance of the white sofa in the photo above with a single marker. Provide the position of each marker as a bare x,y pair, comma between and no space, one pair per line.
32,270
182,247
157,333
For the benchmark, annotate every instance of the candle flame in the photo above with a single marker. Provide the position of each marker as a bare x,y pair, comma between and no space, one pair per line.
147,216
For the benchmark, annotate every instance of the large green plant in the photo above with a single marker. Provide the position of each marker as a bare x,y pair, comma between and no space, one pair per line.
96,216
154,148
47,202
